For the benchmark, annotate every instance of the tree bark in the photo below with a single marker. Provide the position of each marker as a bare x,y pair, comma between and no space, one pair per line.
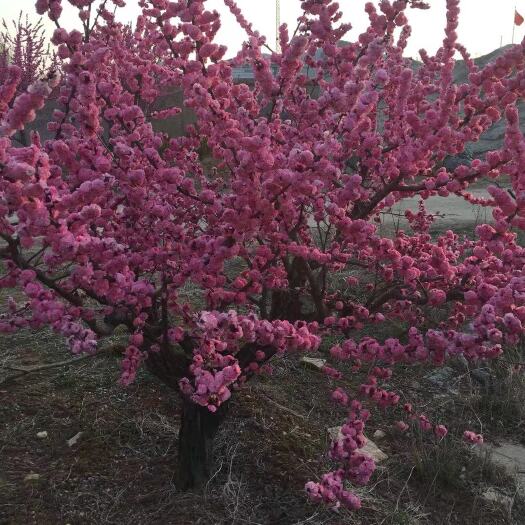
198,425
197,431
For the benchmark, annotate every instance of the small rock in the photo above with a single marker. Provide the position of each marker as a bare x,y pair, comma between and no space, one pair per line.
493,496
483,376
334,432
374,451
41,435
379,434
32,477
313,362
444,378
441,376
72,441
370,449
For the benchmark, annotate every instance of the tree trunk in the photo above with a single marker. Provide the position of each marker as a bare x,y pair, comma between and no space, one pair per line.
197,431
198,425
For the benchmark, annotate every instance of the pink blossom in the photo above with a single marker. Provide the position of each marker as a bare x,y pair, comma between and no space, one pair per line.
401,426
472,437
440,431
216,269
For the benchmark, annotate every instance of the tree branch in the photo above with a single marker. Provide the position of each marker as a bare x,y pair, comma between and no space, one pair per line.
24,370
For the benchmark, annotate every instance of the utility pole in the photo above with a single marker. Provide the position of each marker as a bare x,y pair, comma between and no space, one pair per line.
513,24
277,25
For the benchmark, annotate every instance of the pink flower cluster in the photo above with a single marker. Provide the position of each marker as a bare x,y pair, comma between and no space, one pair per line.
357,466
223,340
472,437
216,267
332,492
27,104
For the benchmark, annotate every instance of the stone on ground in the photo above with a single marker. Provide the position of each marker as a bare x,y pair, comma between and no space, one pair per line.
32,477
313,362
444,378
494,496
510,457
374,451
72,441
378,434
370,449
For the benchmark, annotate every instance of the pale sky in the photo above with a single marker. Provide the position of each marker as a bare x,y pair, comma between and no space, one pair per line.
482,22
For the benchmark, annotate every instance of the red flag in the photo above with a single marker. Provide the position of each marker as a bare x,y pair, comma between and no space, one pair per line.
518,19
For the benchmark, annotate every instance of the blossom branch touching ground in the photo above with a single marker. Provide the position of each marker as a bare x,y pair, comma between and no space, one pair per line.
271,245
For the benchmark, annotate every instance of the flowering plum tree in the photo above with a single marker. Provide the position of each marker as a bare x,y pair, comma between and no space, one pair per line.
110,222
23,44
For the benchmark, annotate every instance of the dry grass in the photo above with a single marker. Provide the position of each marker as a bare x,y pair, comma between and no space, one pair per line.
500,395
121,469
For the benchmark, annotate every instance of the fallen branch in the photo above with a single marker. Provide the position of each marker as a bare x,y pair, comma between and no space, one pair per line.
36,368
282,407
24,370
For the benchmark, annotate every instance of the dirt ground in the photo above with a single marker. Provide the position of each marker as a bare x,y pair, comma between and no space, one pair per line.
120,471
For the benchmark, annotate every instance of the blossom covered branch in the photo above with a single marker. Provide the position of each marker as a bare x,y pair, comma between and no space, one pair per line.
215,270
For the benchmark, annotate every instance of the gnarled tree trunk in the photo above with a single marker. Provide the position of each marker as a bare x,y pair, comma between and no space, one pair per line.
198,429
198,424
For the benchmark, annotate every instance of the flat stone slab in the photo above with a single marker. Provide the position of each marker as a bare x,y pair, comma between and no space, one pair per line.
370,449
511,457
374,451
494,496
313,362
444,378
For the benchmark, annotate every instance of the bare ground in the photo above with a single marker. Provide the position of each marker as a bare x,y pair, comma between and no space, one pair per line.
274,440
